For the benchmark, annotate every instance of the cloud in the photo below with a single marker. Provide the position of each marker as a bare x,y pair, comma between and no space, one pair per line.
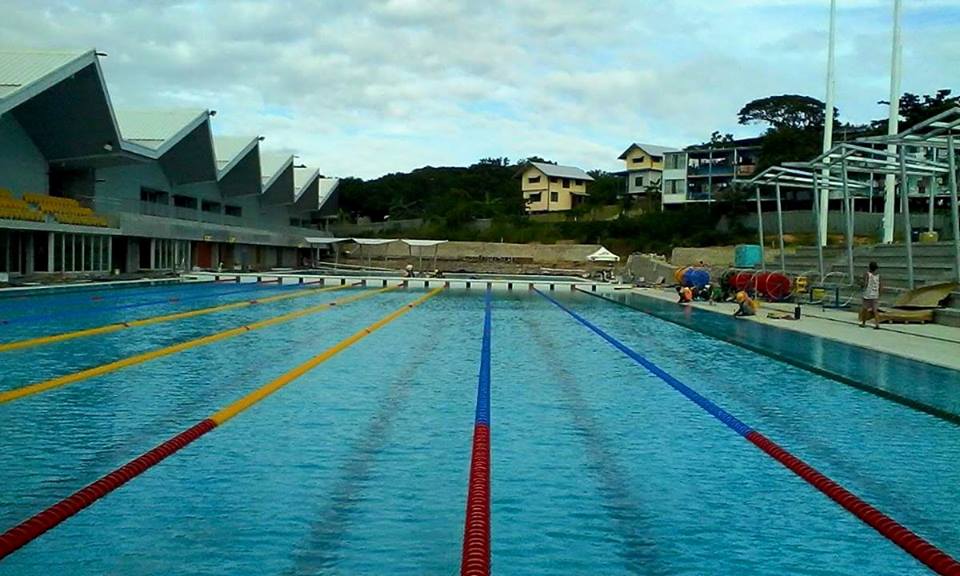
364,87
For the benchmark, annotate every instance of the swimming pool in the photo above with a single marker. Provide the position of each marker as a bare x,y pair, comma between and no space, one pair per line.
360,465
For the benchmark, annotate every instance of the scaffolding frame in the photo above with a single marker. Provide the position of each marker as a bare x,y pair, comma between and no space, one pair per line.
806,179
860,157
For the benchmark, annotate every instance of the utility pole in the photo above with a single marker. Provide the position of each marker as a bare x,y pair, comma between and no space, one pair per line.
889,196
824,200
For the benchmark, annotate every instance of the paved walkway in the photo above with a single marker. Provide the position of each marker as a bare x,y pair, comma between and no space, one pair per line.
930,343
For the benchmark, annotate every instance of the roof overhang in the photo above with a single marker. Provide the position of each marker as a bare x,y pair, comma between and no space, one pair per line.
191,159
240,174
307,197
279,190
68,114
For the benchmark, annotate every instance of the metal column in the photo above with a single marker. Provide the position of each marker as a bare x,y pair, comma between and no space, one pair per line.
954,217
905,209
816,215
783,265
763,258
848,213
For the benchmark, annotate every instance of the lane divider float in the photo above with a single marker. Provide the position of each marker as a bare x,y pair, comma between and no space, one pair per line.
90,310
834,376
32,528
39,387
931,556
117,326
476,531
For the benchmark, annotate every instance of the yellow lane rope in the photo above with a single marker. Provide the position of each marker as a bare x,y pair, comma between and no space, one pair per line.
259,394
116,327
29,390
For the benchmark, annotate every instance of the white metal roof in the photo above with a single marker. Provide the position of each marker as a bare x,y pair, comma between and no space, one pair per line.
651,149
327,186
21,69
271,165
158,130
302,179
557,171
229,150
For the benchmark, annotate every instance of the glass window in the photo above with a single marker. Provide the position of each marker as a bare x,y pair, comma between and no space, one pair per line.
554,196
566,182
105,252
533,179
87,253
57,252
3,251
68,252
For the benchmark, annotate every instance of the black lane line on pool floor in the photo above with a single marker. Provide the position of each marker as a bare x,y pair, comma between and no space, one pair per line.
639,552
318,552
940,413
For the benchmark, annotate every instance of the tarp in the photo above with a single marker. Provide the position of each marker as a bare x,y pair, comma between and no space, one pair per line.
373,241
318,240
603,255
423,243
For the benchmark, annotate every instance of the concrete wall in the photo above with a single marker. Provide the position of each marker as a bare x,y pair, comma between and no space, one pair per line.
22,167
545,253
118,187
649,178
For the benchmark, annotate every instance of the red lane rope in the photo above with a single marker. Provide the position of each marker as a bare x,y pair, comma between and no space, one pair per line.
28,530
933,557
476,526
476,531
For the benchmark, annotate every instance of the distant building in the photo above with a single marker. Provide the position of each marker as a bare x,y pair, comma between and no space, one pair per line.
85,188
643,166
552,188
700,173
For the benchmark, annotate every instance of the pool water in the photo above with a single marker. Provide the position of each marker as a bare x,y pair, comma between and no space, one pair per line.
360,466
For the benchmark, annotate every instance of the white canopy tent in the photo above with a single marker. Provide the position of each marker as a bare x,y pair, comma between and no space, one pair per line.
420,245
317,241
364,242
603,255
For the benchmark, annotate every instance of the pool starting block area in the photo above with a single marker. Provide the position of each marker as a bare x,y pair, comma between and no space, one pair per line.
459,282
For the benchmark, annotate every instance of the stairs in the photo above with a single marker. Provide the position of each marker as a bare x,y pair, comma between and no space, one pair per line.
932,263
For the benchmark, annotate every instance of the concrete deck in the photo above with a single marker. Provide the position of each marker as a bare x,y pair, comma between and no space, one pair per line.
929,343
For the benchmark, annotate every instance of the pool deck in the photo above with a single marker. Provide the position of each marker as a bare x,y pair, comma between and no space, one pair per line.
930,343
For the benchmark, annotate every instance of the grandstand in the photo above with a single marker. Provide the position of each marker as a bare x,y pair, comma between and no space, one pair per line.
86,188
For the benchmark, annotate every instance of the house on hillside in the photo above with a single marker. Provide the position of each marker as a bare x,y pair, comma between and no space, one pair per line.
552,188
643,166
699,173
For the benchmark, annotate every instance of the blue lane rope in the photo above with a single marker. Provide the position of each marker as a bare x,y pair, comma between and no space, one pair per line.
53,316
483,386
714,410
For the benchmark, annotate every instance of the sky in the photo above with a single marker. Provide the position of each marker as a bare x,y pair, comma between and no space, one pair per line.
363,88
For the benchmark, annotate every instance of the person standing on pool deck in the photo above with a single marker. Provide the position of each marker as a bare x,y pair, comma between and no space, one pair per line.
871,296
